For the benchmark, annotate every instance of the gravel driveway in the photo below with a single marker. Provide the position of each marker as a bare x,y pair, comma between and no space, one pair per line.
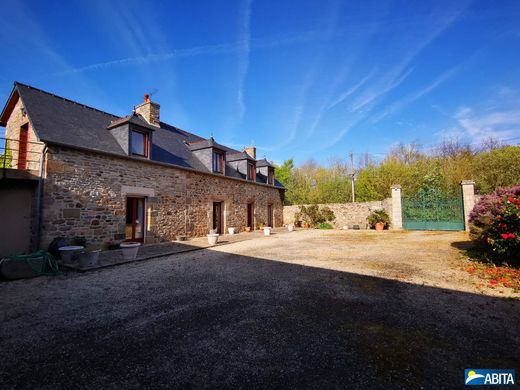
310,309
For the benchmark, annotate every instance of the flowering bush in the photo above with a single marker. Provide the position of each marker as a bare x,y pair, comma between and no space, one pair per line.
495,225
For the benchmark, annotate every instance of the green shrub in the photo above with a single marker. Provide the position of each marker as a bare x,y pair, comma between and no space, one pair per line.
325,225
495,225
313,215
378,216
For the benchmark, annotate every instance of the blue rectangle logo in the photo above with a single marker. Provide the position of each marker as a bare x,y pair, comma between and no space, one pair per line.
489,377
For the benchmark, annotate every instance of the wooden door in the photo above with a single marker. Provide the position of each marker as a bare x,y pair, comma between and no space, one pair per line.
250,216
270,215
135,219
217,217
23,146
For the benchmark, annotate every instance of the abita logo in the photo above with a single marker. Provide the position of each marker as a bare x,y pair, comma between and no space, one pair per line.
476,377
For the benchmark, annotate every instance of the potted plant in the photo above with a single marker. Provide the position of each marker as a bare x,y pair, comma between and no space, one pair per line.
130,249
248,229
379,220
212,238
231,230
267,230
290,227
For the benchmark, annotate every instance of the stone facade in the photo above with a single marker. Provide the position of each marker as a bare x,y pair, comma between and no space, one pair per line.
468,199
150,111
12,133
85,195
347,214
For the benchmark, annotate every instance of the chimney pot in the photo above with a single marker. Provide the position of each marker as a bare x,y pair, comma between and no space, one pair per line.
251,150
150,111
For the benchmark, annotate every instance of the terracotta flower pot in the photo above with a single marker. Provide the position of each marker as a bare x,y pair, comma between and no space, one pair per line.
248,229
380,226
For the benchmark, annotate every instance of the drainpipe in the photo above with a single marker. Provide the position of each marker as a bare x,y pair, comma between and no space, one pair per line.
39,196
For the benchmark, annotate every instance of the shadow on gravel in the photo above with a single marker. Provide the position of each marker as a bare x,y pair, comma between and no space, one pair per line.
213,319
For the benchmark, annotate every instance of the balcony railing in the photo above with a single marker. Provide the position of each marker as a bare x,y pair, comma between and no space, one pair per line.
21,155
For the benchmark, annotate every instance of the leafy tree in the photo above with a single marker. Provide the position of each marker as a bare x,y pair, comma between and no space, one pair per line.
442,170
284,172
497,168
6,158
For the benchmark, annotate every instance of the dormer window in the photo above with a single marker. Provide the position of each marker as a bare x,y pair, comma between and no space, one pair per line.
139,144
270,177
218,162
251,171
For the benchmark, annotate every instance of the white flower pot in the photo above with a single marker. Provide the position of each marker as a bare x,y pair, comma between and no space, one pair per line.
130,249
89,259
69,254
290,227
212,238
231,230
267,231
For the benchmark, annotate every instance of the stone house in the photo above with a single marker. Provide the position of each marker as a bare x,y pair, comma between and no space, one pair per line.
110,178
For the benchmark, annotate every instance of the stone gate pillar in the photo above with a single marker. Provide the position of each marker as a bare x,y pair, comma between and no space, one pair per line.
468,199
397,210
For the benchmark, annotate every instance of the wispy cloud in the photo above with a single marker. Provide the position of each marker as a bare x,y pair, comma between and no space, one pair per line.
204,50
396,75
476,126
400,104
387,86
345,94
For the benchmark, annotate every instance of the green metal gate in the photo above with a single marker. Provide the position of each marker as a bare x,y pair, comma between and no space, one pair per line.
433,212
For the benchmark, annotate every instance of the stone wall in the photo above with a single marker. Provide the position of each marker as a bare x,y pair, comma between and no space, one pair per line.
84,195
12,134
347,214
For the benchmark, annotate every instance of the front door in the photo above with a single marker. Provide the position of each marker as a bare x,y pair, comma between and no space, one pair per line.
270,215
134,230
217,217
250,216
22,148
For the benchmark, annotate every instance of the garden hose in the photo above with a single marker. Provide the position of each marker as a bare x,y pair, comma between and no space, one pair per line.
48,267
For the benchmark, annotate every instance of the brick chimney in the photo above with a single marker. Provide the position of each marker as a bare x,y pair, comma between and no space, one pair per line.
251,150
150,111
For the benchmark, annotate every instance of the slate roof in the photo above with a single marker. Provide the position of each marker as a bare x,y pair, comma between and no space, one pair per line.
207,143
134,119
239,156
62,121
263,163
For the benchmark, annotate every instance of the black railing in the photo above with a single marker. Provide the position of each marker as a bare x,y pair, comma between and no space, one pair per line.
21,155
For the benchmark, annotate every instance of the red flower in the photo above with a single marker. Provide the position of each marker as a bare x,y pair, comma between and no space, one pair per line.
518,201
512,200
511,235
505,236
493,282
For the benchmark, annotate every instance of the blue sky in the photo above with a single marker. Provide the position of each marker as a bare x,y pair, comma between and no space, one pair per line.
306,79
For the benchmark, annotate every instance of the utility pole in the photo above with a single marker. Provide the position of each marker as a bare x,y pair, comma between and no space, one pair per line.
352,175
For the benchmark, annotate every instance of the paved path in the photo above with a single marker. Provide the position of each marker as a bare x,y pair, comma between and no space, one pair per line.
111,258
264,313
